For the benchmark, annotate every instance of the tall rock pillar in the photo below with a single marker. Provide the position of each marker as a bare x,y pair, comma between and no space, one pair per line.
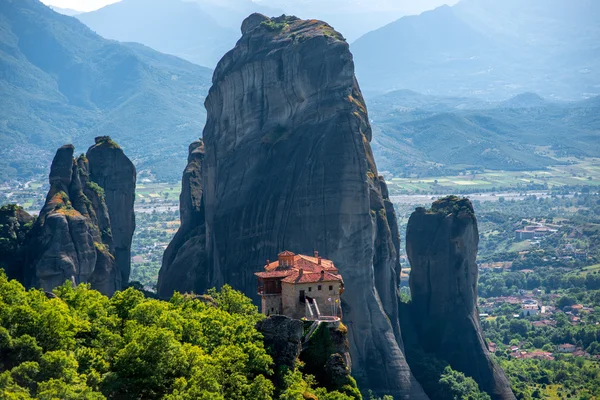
288,165
115,173
441,244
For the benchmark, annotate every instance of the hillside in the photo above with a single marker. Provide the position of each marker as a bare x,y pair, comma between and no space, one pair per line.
62,83
180,28
479,48
65,11
435,134
199,31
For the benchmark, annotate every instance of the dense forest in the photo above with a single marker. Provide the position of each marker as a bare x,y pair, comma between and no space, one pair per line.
75,343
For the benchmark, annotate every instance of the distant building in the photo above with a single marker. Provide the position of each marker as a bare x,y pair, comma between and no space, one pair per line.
567,348
521,234
580,353
300,286
533,231
536,354
529,310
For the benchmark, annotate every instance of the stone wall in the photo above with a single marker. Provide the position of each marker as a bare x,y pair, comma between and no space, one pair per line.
271,305
291,294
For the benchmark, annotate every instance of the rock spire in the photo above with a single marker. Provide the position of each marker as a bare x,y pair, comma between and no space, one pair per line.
441,244
287,164
72,239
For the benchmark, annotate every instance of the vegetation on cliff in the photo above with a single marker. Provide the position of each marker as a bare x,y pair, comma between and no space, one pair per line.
76,343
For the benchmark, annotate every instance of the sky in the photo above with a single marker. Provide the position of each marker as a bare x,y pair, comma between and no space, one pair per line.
405,6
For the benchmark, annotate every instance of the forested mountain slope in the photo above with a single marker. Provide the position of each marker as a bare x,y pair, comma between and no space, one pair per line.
62,83
487,48
435,134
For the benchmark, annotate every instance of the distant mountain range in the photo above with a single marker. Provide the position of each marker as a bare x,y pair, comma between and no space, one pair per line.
416,133
199,31
62,83
204,23
65,11
489,49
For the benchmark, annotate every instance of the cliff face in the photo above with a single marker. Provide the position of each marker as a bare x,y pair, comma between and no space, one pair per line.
441,244
184,261
324,354
288,165
115,173
72,238
15,223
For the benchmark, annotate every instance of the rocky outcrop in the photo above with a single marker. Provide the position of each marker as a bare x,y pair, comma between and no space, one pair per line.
72,238
288,165
115,173
184,260
15,223
283,339
441,244
326,356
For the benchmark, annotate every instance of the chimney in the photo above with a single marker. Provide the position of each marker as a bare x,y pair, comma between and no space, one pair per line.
300,273
268,262
319,260
316,254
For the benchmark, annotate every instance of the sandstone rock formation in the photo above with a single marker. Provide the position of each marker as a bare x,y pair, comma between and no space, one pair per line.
326,356
115,173
15,223
288,165
72,238
283,339
185,257
441,244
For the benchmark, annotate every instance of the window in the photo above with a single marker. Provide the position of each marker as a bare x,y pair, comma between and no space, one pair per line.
302,297
330,287
309,289
319,287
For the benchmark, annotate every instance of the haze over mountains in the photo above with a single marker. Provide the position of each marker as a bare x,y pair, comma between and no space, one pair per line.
65,11
62,83
483,48
486,48
425,134
198,31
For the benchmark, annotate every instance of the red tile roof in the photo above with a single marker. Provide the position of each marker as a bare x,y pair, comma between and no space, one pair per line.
307,263
311,277
304,269
274,274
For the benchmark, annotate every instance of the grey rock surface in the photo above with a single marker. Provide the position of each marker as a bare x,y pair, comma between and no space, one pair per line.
283,339
288,165
115,173
15,224
441,244
184,260
72,238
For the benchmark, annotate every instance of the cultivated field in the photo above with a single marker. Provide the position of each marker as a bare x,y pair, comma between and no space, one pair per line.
575,173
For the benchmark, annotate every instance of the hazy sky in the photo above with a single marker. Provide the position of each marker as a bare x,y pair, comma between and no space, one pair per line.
409,6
